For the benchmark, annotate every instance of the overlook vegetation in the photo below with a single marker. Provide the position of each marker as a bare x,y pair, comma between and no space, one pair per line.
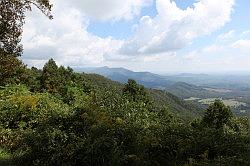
200,89
55,116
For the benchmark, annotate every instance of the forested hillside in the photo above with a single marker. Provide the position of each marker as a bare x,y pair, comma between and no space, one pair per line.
55,116
185,110
233,90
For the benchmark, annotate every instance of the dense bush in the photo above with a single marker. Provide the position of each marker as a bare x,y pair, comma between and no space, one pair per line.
89,120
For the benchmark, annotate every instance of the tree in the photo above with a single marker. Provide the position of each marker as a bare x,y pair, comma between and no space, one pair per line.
135,92
11,69
12,17
217,115
131,89
49,80
32,78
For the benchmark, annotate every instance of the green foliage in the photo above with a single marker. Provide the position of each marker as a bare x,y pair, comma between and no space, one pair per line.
11,70
58,117
135,92
5,158
217,115
49,79
32,78
12,15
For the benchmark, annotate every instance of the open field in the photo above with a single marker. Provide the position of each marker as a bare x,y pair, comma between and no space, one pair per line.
229,102
218,90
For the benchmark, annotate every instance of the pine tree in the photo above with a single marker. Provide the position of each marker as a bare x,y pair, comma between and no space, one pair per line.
217,115
49,80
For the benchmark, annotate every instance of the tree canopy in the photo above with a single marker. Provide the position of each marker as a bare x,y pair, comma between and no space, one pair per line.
217,115
55,116
12,17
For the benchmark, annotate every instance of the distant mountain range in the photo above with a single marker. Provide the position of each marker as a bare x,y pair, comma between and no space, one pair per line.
183,85
172,84
122,75
192,87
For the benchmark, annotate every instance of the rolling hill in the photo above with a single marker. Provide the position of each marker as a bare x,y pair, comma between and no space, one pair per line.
155,81
186,86
184,109
148,79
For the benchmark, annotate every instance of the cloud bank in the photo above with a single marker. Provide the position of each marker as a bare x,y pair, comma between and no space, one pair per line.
110,9
67,39
174,28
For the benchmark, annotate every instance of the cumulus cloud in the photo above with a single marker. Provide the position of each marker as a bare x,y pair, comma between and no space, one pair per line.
110,9
174,28
65,39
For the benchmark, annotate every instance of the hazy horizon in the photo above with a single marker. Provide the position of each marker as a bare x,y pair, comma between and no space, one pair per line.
240,73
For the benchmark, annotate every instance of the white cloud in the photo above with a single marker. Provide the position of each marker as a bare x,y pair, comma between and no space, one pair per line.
212,48
174,28
159,57
223,57
245,33
211,51
193,55
65,38
226,36
242,45
110,9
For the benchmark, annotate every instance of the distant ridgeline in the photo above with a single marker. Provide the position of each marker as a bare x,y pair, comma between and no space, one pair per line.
195,88
56,116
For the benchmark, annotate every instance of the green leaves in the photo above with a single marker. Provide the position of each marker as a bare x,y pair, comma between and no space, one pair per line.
134,92
12,15
88,120
217,115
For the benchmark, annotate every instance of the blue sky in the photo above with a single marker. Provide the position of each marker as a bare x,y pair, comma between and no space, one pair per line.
124,29
161,36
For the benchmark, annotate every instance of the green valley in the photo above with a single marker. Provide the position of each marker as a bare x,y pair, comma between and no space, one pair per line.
57,111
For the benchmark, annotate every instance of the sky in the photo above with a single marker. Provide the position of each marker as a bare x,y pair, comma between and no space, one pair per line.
160,36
